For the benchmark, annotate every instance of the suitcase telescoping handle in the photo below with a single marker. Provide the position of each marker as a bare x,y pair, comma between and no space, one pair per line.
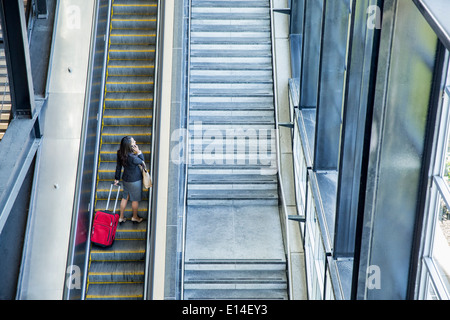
109,197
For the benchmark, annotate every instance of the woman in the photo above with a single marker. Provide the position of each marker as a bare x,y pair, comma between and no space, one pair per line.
130,157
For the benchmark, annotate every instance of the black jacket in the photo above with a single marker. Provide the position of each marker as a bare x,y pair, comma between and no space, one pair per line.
131,172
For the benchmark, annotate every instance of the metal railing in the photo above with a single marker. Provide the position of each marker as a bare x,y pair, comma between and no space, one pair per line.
187,153
97,144
86,175
151,220
278,148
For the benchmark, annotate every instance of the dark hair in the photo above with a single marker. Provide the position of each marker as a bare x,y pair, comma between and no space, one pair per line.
125,149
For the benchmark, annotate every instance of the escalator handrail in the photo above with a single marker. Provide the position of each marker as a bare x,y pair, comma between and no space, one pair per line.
97,147
151,220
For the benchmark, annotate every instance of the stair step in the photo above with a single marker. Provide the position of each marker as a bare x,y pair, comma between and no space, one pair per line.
114,134
230,26
142,212
124,7
240,64
234,276
231,116
231,50
229,13
131,52
235,279
231,202
250,188
129,84
132,37
123,271
103,188
198,178
218,149
216,158
130,230
133,21
231,76
235,264
231,89
131,68
108,152
121,250
116,291
232,194
232,294
229,3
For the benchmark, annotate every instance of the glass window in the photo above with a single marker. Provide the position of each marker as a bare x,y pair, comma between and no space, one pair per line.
437,254
431,290
441,243
300,170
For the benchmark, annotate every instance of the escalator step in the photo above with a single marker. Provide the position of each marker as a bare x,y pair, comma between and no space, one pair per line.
115,291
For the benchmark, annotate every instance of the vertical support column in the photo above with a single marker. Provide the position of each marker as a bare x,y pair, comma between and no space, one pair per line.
332,73
311,47
359,90
12,14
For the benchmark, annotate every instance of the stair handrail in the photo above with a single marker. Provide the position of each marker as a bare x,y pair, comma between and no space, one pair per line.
187,152
278,149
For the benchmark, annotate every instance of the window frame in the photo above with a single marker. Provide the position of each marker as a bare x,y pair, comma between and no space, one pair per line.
439,189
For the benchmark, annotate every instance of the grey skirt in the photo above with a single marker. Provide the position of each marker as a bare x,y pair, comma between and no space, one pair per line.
134,189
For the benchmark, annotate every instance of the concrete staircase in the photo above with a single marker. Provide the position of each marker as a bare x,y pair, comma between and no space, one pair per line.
118,272
234,247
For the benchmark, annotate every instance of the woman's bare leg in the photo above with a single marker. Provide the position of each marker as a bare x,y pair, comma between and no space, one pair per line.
134,208
123,205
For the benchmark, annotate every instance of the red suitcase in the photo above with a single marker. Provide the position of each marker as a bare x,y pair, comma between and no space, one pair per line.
105,224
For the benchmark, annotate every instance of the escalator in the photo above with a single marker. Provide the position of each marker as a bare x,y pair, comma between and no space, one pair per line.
118,272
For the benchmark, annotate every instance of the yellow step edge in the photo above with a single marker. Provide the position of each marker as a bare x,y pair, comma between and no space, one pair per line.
112,296
116,273
129,91
118,251
117,82
123,67
121,117
117,282
132,35
133,20
134,5
143,99
126,134
131,50
129,209
115,152
134,75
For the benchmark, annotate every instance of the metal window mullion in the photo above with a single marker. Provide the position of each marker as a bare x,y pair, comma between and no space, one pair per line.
436,278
